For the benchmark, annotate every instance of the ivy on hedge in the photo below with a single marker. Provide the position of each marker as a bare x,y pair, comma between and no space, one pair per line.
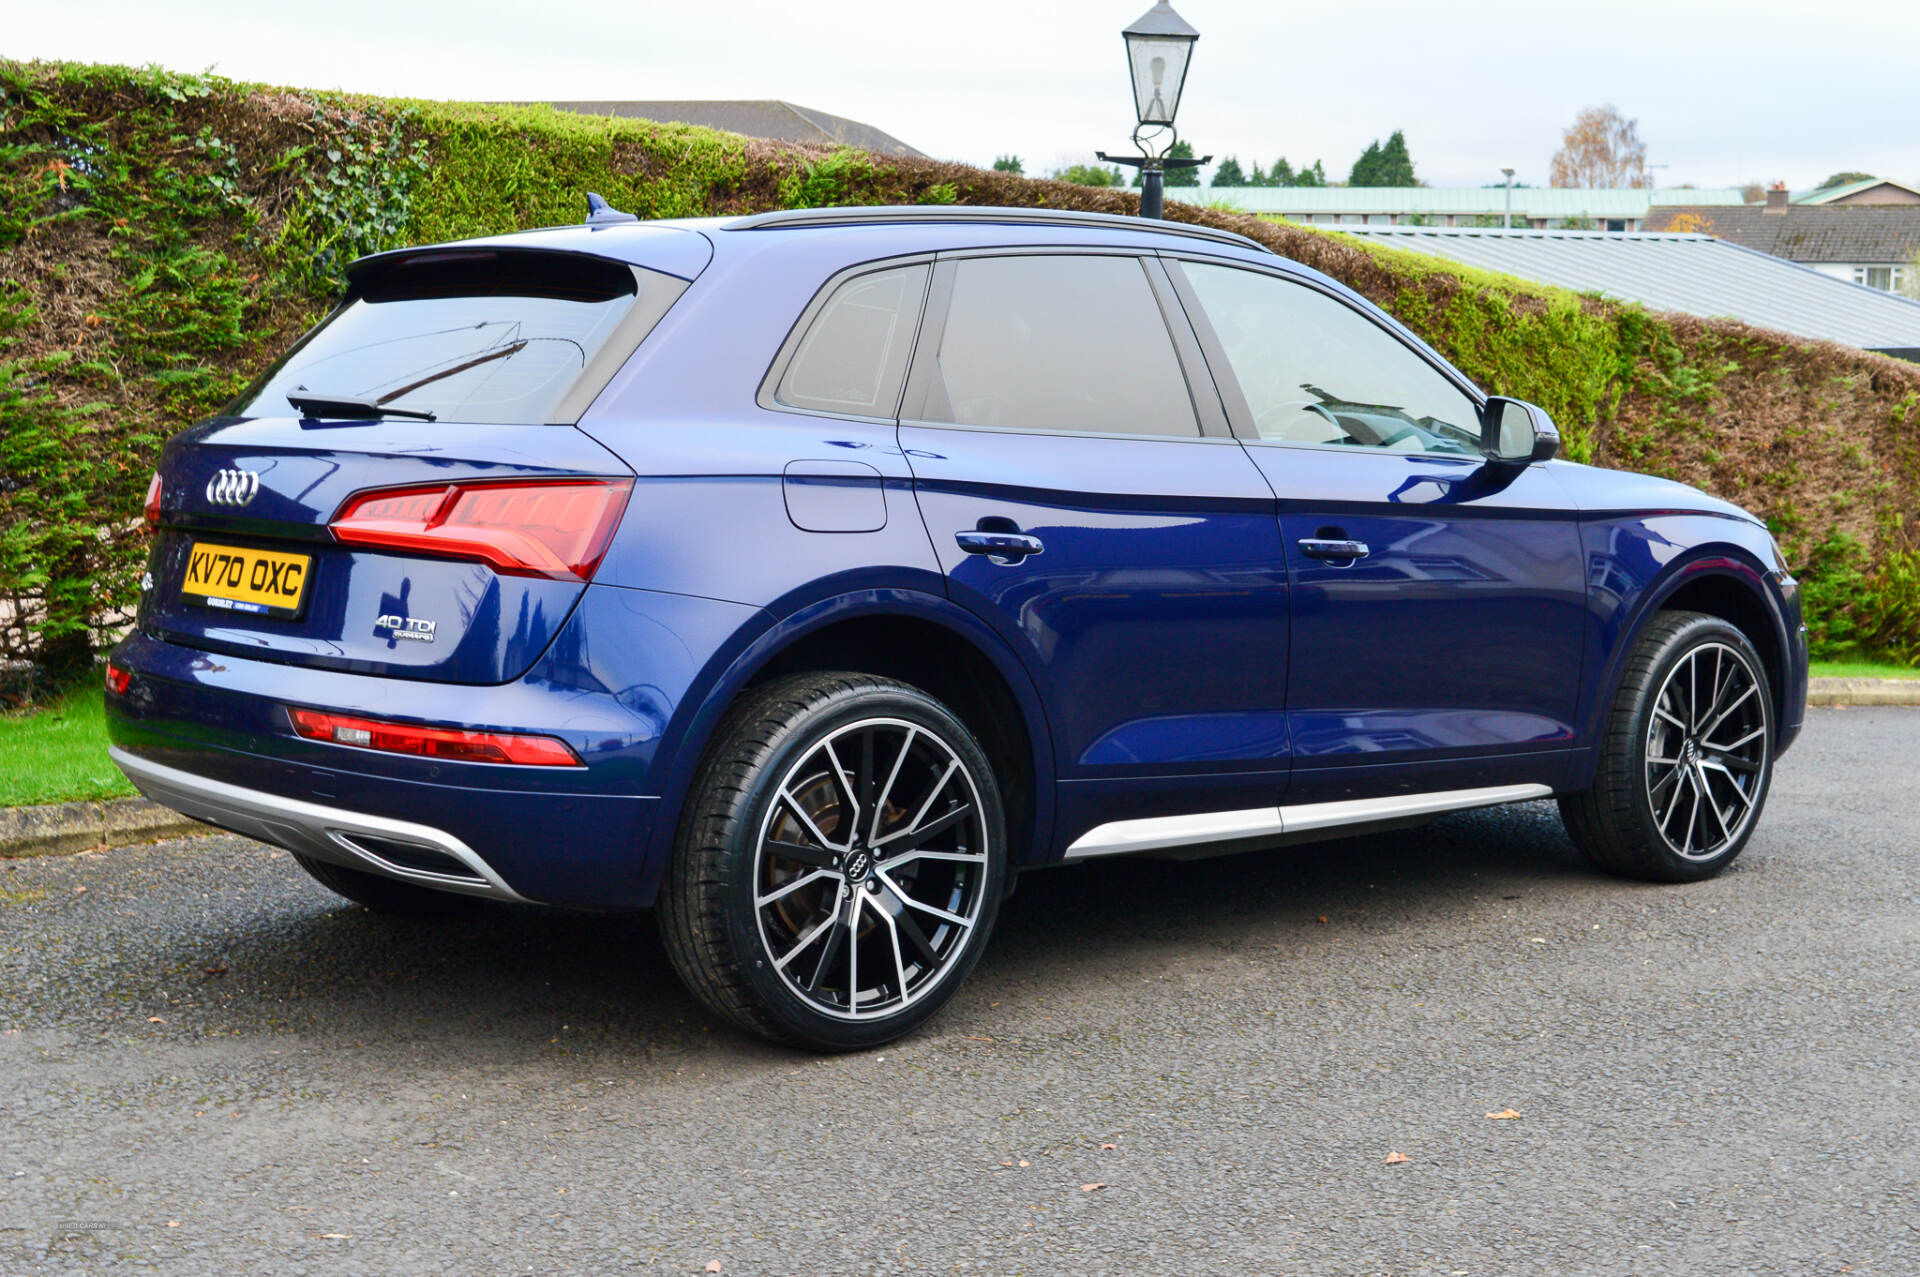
163,236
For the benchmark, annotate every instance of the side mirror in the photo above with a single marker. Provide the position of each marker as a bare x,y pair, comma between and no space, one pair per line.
1516,432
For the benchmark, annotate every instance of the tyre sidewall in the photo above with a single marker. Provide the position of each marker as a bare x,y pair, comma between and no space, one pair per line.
790,746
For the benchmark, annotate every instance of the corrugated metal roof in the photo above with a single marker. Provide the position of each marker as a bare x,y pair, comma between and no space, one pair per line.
1528,201
1693,274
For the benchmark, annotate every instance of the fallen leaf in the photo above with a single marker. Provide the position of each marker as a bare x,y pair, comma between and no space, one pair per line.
1006,1163
1503,1115
1397,1159
971,1038
1536,939
79,891
173,1223
154,1019
1025,1162
1109,1146
334,1237
1091,1188
1321,918
219,970
713,1266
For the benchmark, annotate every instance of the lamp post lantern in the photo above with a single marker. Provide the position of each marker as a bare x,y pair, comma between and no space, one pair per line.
1159,50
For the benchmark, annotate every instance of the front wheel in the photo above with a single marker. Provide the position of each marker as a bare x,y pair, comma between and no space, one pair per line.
1686,759
840,864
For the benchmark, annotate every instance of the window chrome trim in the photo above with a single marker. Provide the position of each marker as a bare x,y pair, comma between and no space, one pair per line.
1157,833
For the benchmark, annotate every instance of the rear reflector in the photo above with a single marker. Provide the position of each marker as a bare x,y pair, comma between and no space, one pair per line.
151,510
118,680
553,528
452,743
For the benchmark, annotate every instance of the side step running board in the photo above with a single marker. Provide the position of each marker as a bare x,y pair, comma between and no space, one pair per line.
1269,824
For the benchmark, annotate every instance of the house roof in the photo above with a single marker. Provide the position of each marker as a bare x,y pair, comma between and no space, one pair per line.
1850,233
1528,201
1693,274
770,118
1841,194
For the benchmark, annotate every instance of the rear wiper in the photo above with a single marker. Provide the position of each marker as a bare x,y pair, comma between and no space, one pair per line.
350,406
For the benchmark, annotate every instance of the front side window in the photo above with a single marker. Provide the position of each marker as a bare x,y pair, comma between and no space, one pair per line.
482,337
855,352
1317,372
1058,342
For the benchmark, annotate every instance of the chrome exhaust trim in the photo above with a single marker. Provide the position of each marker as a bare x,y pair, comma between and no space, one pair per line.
332,834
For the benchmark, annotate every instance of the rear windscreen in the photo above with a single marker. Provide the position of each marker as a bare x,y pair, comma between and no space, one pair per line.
485,337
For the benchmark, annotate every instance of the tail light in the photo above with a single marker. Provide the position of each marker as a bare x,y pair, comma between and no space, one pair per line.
151,510
118,679
553,528
453,743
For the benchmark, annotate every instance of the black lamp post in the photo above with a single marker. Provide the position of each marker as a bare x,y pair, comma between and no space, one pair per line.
1159,49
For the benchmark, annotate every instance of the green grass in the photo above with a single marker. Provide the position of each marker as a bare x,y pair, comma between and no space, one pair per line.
58,752
1862,669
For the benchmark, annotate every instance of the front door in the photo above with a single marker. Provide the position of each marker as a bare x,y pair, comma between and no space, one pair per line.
1438,602
1091,506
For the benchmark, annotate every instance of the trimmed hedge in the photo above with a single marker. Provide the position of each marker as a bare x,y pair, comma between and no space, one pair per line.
162,236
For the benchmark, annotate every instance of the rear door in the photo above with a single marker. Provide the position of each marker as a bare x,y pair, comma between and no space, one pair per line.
1083,494
1438,602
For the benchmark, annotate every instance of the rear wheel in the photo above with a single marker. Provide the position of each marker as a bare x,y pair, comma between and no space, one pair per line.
840,864
385,895
1686,759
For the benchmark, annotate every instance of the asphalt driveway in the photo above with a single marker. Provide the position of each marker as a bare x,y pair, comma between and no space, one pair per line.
208,1064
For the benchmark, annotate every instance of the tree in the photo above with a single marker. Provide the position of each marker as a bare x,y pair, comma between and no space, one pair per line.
1384,164
1601,149
1090,175
1843,179
1315,176
1007,164
1282,174
1396,165
1367,167
1229,173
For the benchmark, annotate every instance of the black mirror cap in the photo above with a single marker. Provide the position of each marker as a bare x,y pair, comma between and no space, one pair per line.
1515,432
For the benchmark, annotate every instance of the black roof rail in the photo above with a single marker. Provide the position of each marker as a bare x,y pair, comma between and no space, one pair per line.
930,213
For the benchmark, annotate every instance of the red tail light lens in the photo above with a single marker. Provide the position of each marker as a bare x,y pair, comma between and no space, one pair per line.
452,743
552,528
151,511
118,680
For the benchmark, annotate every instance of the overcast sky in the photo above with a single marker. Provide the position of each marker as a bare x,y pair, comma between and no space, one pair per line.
1726,91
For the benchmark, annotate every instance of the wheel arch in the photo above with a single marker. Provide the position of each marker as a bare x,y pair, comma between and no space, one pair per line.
1724,581
907,634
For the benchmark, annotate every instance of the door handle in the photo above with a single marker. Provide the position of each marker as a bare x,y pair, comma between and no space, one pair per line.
1011,546
1338,551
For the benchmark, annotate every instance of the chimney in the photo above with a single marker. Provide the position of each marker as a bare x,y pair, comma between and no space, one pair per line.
1777,198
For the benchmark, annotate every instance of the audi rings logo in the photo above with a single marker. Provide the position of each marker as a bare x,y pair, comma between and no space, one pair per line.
232,487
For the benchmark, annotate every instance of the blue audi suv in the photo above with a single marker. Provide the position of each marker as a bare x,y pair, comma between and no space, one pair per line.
807,576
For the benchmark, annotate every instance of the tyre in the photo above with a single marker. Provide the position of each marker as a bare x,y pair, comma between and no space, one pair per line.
1686,757
839,865
386,895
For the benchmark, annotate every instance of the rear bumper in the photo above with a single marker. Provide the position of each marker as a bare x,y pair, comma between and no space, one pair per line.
399,849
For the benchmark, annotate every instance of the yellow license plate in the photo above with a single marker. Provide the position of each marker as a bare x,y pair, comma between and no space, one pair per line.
257,582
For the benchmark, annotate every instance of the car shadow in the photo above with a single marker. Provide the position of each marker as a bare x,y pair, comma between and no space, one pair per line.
511,982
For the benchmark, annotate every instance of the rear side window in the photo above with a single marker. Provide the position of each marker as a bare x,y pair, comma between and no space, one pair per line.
854,355
484,337
1059,342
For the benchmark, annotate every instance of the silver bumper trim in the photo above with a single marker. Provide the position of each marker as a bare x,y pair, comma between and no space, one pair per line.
324,833
1267,824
